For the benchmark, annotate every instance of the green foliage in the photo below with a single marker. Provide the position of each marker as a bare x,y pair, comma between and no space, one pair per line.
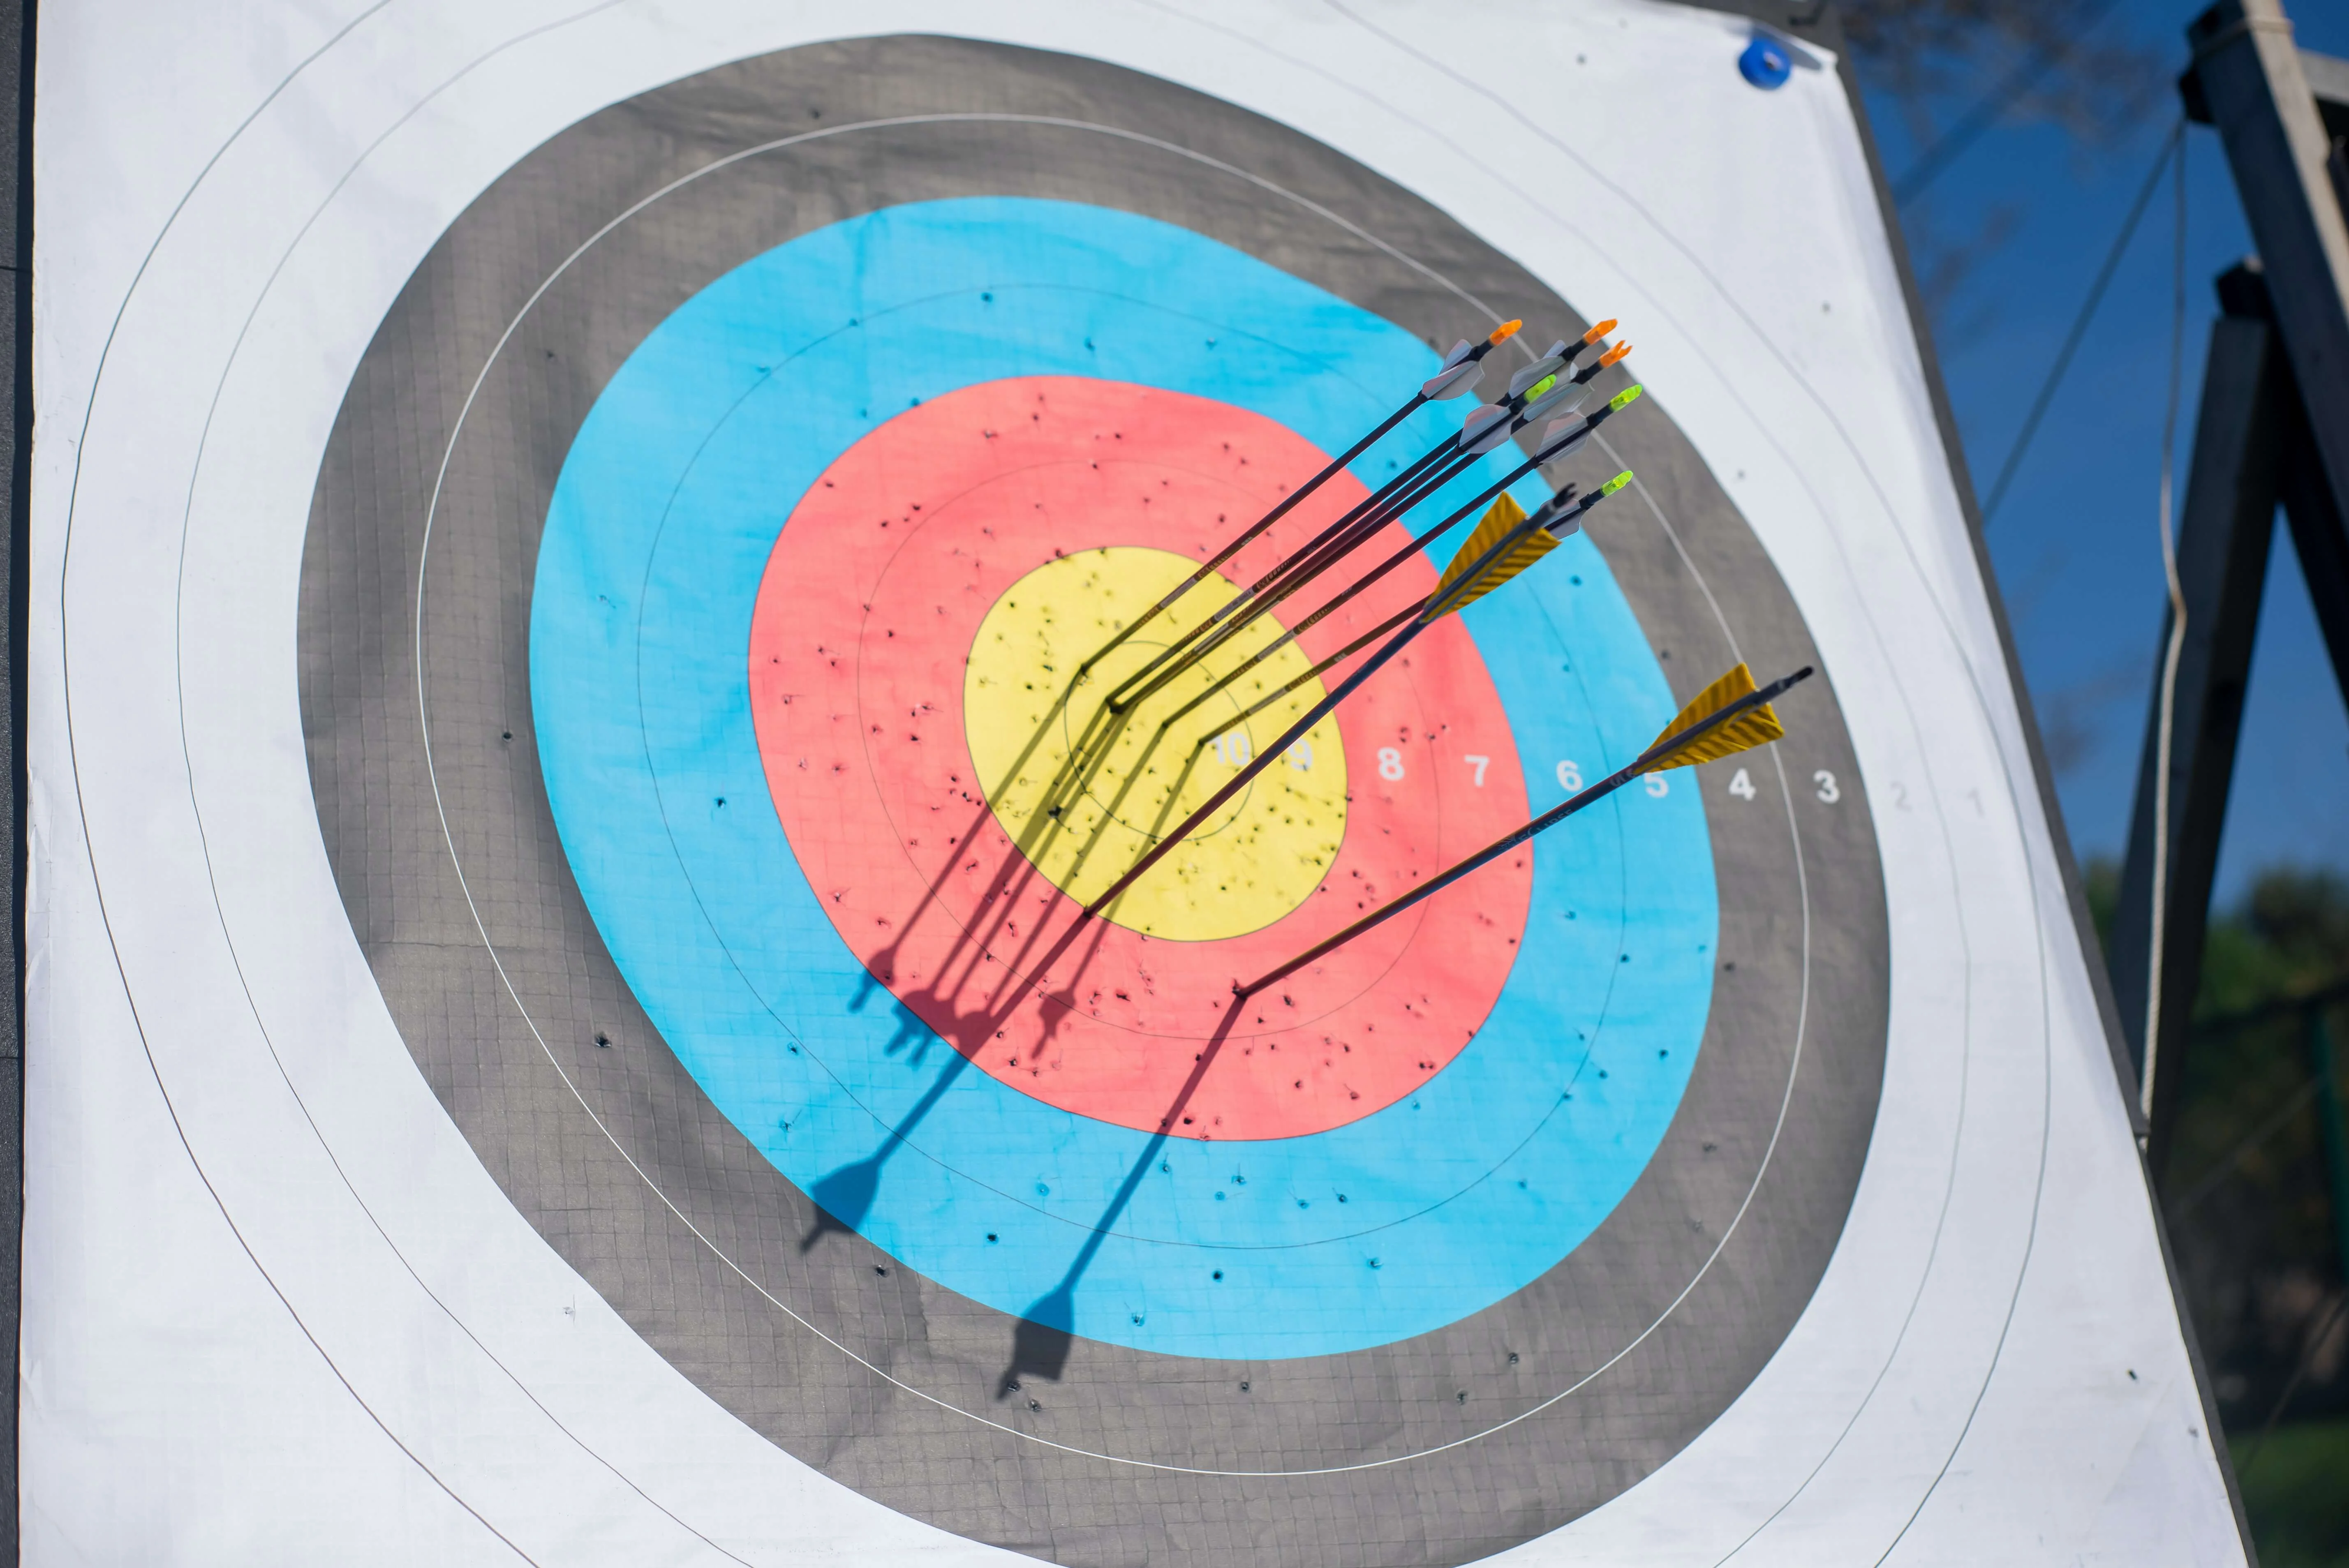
2289,938
2296,1494
2248,1194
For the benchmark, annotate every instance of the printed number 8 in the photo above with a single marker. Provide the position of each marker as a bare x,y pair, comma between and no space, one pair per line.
1390,763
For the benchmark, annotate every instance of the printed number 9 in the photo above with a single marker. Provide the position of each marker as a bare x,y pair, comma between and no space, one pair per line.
1390,763
1569,777
1828,790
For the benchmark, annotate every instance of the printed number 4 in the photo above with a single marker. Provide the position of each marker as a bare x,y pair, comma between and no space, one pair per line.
1390,763
1479,764
1740,786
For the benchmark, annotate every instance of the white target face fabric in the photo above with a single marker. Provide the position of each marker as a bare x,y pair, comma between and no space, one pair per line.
276,1310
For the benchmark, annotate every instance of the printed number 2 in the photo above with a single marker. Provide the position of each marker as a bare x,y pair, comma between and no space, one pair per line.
1390,763
1740,786
1828,790
1479,764
1657,786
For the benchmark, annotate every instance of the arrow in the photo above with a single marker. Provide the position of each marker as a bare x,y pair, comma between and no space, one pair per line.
1727,716
1504,513
1462,369
1562,439
1437,605
1479,436
1485,428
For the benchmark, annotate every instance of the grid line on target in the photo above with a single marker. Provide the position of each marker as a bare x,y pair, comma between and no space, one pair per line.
1081,1364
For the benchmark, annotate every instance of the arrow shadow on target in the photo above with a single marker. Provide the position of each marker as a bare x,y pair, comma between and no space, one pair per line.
845,1197
1040,1347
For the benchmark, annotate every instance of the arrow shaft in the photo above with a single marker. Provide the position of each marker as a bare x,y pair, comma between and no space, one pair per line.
1278,585
1510,840
1318,555
1437,603
1339,548
1368,580
1238,781
1251,534
1356,647
1418,467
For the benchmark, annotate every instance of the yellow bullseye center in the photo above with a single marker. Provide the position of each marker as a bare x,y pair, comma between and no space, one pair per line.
1085,793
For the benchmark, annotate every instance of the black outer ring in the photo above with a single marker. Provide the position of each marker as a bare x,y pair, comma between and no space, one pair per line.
1816,971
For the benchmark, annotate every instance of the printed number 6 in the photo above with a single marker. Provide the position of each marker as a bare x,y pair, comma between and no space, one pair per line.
1569,777
1828,790
1390,763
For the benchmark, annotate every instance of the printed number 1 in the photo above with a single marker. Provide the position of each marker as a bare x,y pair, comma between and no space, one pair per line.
1479,764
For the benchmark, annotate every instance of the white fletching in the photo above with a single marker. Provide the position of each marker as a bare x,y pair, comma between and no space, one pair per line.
1549,365
1485,428
1453,381
1563,398
1563,438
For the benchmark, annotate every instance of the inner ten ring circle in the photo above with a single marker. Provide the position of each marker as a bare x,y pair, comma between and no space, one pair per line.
1085,788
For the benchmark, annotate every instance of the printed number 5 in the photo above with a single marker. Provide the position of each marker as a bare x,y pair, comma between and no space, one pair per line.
1479,764
1390,763
1828,790
1657,786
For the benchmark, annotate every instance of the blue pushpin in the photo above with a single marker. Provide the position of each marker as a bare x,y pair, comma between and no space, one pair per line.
1766,64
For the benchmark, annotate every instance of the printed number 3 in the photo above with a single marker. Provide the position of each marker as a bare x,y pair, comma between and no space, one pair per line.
1390,763
1828,790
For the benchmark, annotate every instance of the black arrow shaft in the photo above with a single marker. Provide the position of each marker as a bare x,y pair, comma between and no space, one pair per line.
1437,603
1269,596
1255,531
1392,500
1356,647
1217,624
1508,841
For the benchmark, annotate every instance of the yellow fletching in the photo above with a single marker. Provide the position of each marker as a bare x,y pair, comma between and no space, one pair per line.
1757,726
1505,515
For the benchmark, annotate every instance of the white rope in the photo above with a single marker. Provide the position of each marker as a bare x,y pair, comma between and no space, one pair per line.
2168,702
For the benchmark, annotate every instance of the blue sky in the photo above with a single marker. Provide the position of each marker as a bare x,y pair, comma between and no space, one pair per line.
2075,544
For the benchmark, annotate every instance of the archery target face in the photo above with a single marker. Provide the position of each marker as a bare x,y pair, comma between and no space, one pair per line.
788,449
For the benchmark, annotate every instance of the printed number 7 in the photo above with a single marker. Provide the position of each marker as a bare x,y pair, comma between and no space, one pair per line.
1479,764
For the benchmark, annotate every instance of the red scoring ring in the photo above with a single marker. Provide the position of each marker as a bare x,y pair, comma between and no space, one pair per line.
872,596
